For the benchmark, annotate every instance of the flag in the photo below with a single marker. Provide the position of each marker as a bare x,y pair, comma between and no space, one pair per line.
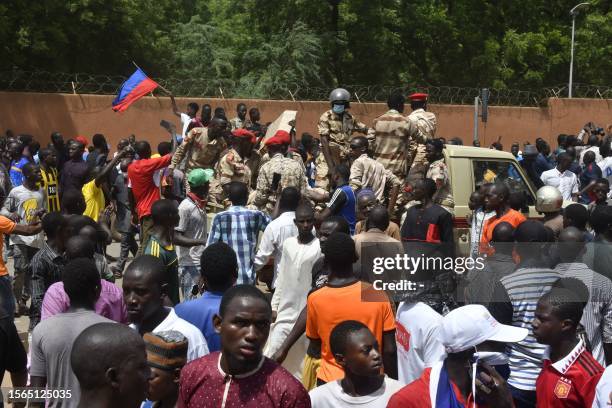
136,86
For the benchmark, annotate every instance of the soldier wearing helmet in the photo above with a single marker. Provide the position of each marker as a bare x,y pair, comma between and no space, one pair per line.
336,127
549,202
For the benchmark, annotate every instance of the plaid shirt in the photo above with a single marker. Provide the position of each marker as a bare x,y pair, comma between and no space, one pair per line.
239,227
47,268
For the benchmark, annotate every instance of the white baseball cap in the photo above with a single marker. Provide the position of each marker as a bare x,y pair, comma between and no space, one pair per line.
468,326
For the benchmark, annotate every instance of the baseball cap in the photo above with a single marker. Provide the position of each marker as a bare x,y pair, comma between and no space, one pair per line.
198,177
468,326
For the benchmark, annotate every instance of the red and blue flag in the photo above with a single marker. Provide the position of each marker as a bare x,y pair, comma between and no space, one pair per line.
136,86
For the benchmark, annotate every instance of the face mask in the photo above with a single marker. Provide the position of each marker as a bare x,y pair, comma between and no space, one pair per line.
338,109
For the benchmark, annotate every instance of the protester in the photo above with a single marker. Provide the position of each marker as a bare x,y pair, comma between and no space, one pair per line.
240,375
192,225
240,122
479,217
367,173
496,199
563,179
25,204
18,160
219,271
48,263
514,301
590,173
74,171
143,290
465,333
597,317
186,118
239,227
343,200
549,202
143,192
53,338
110,363
575,215
374,237
277,232
570,373
13,356
166,355
294,281
50,178
110,301
366,200
340,300
355,349
123,220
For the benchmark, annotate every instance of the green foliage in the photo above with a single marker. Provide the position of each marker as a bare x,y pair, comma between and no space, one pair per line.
257,48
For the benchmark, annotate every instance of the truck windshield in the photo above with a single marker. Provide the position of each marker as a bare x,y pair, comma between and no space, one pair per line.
492,171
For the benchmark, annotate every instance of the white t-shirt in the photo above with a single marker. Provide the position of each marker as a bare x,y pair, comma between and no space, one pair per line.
603,392
196,347
331,395
192,224
416,336
566,182
185,120
594,149
606,170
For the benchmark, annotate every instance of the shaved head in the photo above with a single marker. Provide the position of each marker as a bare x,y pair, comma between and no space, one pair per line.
379,218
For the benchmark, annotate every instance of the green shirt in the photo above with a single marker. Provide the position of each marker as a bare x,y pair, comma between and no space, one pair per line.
168,256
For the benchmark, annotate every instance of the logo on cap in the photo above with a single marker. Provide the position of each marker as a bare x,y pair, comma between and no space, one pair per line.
562,388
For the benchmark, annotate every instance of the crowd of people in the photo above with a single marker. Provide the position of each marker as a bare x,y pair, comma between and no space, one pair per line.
245,275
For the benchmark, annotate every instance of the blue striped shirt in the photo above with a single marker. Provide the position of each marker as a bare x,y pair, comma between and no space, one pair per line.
239,228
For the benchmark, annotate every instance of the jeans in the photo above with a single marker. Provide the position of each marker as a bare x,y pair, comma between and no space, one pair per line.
188,278
22,285
523,398
7,300
128,244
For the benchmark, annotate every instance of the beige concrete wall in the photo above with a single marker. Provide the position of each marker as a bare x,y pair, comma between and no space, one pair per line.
40,114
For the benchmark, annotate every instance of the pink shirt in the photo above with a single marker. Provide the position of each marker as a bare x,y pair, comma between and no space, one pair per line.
110,304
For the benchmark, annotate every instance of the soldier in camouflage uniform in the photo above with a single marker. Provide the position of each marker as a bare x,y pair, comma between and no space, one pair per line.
438,172
291,173
336,127
233,165
425,122
202,147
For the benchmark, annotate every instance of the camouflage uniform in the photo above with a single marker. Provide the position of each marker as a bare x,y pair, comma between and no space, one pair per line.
292,175
200,151
339,131
368,173
231,167
394,135
426,124
238,123
438,170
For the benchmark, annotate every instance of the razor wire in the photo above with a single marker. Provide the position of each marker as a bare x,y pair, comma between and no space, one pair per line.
99,84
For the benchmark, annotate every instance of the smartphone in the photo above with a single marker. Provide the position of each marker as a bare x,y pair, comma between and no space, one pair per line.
276,178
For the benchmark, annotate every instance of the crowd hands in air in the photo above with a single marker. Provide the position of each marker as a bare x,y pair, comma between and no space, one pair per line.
264,307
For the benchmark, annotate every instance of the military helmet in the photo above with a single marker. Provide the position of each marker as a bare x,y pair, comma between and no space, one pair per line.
339,95
548,199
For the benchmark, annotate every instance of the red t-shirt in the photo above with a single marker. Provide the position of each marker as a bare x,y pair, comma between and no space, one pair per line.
416,394
140,174
570,382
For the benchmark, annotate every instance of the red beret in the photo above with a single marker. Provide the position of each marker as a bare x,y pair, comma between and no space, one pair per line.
245,133
418,97
83,140
279,138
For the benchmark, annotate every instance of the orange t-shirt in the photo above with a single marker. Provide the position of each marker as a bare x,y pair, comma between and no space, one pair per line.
329,306
6,227
512,217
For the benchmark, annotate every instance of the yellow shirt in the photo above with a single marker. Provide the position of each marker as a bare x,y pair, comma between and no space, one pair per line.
94,200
